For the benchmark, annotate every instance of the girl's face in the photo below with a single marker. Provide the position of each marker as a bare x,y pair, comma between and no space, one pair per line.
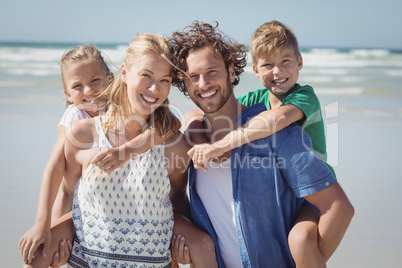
148,84
83,81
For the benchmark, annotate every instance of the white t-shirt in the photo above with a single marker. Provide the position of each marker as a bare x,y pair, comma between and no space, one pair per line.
216,193
73,113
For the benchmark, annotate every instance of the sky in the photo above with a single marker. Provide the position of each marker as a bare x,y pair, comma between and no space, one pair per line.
334,24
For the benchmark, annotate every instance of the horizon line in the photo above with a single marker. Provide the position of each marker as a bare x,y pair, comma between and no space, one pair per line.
72,43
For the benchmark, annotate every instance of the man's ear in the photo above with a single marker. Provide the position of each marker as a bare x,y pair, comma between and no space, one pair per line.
300,62
255,70
232,73
123,73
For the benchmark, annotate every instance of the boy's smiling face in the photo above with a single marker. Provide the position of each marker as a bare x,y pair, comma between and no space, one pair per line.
279,72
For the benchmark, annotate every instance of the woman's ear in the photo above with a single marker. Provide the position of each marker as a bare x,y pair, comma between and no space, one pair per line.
123,73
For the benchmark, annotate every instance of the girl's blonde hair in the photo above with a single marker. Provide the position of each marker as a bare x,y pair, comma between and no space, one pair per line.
162,120
82,53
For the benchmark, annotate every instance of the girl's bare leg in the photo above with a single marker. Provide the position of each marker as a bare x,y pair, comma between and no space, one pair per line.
62,229
199,244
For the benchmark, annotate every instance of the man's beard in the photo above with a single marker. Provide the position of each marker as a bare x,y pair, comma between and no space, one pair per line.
228,91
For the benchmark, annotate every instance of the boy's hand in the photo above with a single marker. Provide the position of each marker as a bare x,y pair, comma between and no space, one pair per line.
109,159
31,240
180,252
61,257
203,154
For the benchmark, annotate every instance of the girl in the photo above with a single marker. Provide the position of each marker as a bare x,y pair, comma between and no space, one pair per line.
84,74
126,217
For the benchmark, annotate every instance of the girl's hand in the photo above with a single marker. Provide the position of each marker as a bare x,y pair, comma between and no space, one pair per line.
31,240
180,252
109,159
61,257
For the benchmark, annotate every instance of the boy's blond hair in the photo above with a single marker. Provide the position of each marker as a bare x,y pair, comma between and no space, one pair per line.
272,37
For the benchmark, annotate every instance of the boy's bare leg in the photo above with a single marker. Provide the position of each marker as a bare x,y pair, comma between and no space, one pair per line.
303,239
200,245
62,229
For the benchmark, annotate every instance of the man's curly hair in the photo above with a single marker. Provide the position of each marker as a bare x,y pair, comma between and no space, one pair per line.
197,36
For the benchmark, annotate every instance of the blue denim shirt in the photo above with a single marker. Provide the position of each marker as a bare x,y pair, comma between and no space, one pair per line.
270,177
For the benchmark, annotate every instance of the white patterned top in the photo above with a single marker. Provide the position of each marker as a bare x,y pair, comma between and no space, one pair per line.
125,218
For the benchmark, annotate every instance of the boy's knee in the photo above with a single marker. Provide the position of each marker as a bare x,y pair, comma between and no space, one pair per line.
303,244
302,237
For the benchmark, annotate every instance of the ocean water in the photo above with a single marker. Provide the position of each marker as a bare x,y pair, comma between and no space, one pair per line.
29,73
360,91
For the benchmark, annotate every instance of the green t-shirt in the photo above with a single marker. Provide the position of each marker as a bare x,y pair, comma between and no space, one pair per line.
306,100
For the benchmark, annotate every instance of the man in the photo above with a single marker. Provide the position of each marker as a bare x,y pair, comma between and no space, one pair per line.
248,201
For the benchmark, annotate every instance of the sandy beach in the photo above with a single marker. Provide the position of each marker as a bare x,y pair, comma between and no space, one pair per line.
363,137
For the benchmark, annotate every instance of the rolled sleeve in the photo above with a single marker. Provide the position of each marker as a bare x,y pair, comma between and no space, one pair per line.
302,169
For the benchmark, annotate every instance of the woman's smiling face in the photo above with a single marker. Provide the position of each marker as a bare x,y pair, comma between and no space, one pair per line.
148,82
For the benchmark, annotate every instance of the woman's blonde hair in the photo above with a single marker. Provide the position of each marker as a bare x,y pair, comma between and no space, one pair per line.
82,53
162,120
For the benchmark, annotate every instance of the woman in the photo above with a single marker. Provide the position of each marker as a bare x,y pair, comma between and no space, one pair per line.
126,217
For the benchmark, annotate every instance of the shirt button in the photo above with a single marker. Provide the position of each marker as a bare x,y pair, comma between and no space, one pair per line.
327,184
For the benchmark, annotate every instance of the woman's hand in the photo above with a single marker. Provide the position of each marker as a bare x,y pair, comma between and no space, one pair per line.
203,154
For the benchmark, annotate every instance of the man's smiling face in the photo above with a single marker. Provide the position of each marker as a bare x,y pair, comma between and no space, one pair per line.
209,84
